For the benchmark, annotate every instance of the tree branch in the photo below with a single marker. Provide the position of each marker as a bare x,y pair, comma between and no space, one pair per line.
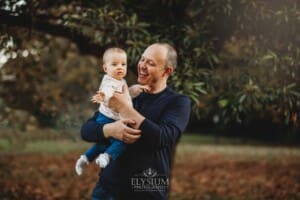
42,23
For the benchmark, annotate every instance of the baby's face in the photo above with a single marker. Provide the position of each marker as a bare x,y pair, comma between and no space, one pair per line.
116,65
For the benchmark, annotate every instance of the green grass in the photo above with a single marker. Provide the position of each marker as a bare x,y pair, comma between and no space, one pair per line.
4,144
63,146
194,138
233,147
189,143
191,138
43,146
249,151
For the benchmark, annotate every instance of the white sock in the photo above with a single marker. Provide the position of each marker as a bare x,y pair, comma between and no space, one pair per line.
103,160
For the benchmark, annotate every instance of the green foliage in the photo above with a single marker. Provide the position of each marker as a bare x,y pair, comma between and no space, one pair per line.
49,83
187,82
238,60
110,26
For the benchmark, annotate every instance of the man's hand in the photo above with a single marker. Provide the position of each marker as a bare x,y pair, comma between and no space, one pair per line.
98,98
119,100
120,130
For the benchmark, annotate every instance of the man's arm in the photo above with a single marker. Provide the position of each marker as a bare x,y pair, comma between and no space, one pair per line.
91,131
118,102
170,127
167,131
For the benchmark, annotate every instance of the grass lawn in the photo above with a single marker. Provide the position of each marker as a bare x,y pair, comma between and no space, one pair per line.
189,143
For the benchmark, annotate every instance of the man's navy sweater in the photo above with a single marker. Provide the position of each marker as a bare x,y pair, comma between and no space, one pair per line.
167,114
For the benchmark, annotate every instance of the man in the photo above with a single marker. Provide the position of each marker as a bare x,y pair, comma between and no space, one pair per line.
151,129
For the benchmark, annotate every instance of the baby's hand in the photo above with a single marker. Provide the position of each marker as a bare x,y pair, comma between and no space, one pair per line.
145,88
98,98
136,89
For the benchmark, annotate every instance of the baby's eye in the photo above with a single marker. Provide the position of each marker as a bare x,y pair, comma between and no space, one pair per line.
151,63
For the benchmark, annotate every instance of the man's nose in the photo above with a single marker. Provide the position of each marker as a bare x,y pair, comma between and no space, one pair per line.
142,64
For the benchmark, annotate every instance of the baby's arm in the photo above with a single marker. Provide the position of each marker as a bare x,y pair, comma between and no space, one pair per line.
136,89
104,94
98,97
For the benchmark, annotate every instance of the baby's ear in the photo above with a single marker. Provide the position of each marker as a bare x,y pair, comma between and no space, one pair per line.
104,68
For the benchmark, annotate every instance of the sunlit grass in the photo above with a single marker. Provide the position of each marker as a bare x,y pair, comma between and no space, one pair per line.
43,146
196,138
254,152
64,146
192,143
189,145
4,144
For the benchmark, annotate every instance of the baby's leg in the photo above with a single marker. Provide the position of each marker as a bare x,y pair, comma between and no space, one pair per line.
113,151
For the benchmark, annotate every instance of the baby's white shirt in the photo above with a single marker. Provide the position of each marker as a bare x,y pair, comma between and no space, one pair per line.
108,86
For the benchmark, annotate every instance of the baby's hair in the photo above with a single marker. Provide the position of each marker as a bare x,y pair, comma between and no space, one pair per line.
111,50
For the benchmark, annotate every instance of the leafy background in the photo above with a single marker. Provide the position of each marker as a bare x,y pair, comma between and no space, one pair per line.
238,60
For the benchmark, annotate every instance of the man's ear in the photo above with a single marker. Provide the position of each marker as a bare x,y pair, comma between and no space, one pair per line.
169,70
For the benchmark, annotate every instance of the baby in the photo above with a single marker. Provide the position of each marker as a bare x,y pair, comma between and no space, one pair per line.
115,67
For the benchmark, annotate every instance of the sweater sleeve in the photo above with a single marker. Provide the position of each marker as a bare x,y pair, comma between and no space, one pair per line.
91,131
170,127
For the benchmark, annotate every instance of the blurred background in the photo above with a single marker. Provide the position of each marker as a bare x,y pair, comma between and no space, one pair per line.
239,62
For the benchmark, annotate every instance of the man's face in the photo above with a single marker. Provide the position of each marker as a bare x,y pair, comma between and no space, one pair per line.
151,66
116,65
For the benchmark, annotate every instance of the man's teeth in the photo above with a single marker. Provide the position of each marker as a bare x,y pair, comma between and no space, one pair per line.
143,74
